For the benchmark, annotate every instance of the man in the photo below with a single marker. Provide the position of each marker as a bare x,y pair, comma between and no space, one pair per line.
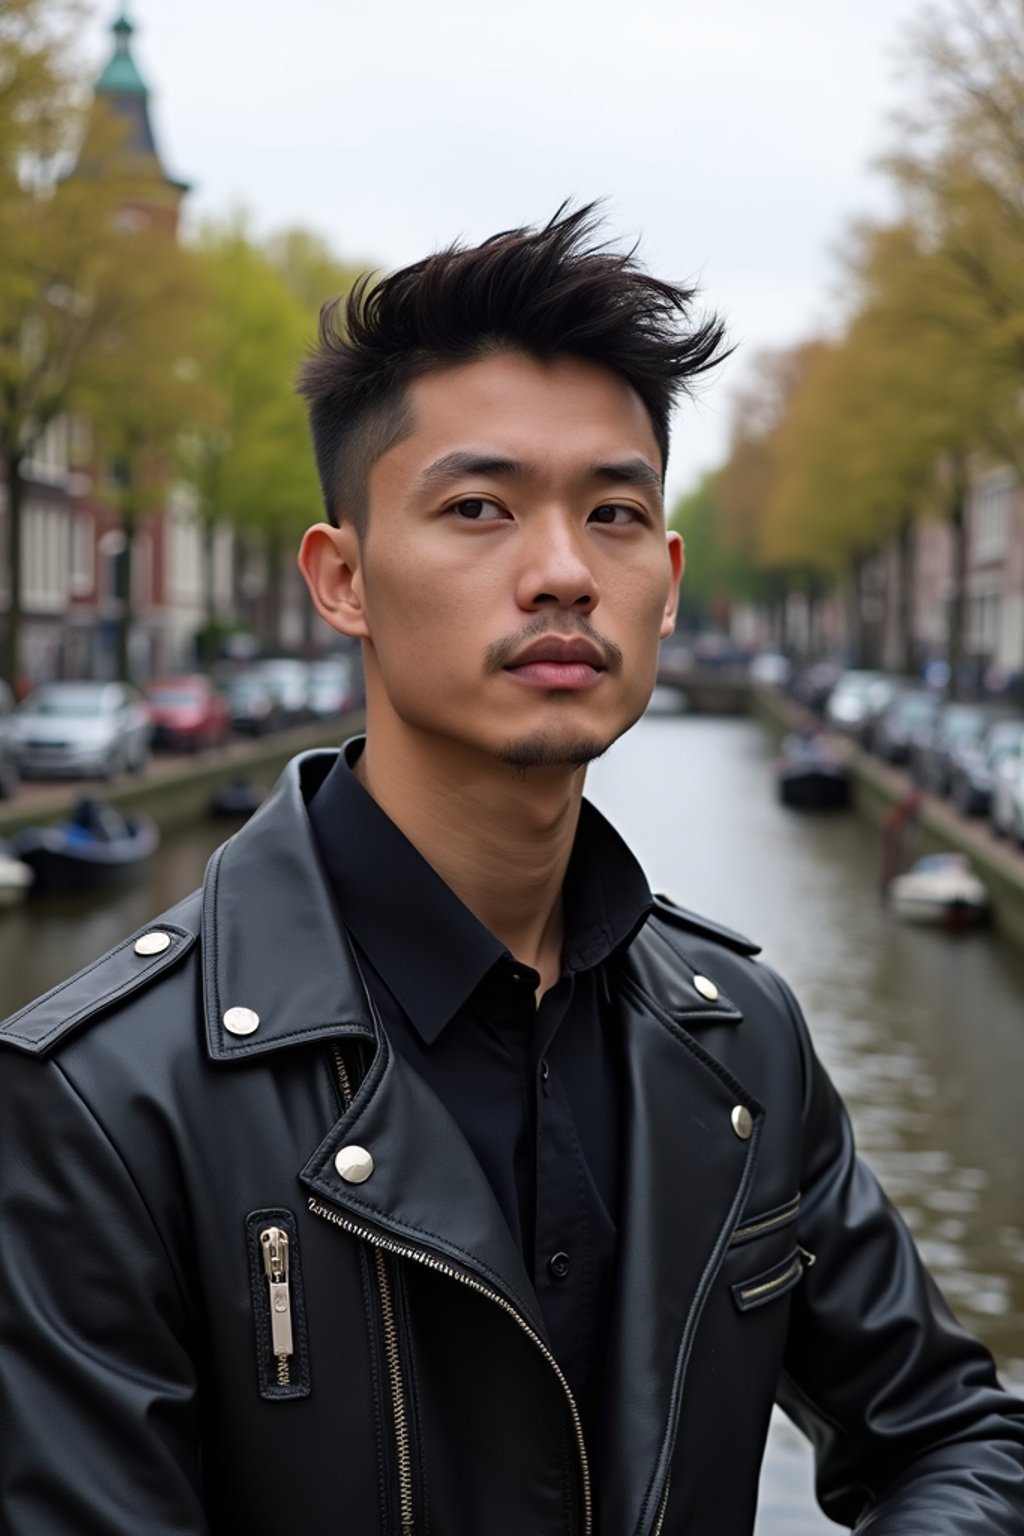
424,1173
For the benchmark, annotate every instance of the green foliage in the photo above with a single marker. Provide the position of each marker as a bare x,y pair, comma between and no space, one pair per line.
717,573
256,466
838,444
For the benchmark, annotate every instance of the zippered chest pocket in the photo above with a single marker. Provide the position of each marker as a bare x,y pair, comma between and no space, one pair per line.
278,1306
769,1229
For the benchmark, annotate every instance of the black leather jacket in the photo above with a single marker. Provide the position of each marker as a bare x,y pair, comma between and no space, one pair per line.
154,1161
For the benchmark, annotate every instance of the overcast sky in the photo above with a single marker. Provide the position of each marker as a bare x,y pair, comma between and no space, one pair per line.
735,137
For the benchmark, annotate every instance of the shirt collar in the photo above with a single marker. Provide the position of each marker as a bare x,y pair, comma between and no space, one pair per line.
422,940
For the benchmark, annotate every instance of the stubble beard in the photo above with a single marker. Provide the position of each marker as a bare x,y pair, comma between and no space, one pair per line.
540,751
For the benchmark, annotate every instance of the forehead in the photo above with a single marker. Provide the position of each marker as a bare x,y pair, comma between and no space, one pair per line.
553,414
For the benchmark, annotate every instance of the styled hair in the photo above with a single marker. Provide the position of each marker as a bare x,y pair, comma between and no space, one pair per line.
550,292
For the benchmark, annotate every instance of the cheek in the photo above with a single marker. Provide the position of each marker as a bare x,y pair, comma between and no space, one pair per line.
427,623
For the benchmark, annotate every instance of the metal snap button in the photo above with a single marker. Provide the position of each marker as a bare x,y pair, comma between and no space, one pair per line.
706,987
354,1164
241,1021
153,943
559,1265
742,1122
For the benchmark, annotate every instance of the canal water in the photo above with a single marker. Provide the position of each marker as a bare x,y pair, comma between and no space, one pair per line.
924,1034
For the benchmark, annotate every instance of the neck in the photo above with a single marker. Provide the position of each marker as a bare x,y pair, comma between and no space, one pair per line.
500,837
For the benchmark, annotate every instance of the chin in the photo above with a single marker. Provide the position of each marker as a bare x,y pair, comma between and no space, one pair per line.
544,750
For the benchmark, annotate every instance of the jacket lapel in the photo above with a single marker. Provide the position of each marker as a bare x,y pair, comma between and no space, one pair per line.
686,1176
426,1191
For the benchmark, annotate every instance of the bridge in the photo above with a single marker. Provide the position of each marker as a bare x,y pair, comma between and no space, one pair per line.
705,690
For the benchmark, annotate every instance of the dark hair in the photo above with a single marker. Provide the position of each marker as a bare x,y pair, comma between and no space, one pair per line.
548,292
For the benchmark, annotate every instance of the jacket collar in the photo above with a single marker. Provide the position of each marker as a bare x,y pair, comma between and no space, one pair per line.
272,942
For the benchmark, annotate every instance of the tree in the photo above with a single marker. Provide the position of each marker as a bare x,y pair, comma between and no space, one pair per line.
311,271
151,391
960,169
70,290
717,573
255,470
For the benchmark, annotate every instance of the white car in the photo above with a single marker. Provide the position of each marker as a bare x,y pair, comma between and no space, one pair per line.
857,698
82,730
1006,807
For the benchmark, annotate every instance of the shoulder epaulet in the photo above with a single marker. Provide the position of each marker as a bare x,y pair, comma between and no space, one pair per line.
680,918
136,963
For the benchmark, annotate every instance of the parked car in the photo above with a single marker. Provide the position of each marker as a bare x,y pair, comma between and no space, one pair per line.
974,763
253,708
1006,806
9,775
912,710
857,695
815,683
288,682
82,730
187,712
771,668
331,687
955,727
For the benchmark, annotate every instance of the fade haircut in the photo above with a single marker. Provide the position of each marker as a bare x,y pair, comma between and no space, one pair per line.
550,292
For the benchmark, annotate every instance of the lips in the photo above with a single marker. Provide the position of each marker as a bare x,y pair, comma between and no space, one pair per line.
558,663
565,651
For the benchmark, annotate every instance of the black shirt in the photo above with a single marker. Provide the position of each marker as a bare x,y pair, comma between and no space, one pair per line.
534,1089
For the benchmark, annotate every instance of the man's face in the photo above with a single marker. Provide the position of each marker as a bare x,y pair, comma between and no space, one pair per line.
515,575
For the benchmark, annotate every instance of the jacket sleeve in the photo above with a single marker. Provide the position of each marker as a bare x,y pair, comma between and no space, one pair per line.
912,1432
97,1386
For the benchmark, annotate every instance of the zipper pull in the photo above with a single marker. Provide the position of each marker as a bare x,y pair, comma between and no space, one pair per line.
274,1243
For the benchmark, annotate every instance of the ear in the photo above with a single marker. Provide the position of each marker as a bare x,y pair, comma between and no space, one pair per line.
677,561
330,560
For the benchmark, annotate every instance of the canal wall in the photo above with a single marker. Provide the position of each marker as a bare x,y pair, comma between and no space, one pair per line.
176,790
937,827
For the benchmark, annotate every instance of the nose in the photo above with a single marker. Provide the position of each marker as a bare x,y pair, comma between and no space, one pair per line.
556,571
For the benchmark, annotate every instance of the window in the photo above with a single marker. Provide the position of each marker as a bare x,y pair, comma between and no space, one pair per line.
46,558
83,554
991,503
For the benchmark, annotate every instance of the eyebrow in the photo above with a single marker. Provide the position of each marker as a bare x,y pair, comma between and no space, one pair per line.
453,466
627,472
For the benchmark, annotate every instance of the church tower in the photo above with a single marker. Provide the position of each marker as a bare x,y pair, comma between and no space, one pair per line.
122,94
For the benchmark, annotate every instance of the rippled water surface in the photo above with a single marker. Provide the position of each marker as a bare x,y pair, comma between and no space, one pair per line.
924,1035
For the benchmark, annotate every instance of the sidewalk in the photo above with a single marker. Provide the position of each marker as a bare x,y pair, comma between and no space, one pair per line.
175,788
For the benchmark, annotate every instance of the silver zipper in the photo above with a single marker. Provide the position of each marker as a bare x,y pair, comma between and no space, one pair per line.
274,1242
773,1285
767,1225
388,1245
663,1506
401,1251
392,1352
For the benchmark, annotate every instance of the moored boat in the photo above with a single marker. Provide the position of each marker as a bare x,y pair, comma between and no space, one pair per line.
98,849
940,889
810,774
238,798
15,877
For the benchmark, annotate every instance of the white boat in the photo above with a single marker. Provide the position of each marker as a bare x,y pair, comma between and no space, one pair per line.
15,879
941,888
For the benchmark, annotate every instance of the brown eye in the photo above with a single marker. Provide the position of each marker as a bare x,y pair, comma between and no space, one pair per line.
476,509
613,514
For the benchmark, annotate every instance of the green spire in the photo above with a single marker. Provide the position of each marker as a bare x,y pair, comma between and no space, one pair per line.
121,75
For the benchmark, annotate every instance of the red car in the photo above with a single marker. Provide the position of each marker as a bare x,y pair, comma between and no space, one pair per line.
187,712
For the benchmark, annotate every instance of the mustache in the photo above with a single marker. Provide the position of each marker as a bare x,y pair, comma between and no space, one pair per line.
501,652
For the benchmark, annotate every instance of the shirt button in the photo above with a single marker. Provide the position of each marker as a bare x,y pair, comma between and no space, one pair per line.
545,1072
558,1265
